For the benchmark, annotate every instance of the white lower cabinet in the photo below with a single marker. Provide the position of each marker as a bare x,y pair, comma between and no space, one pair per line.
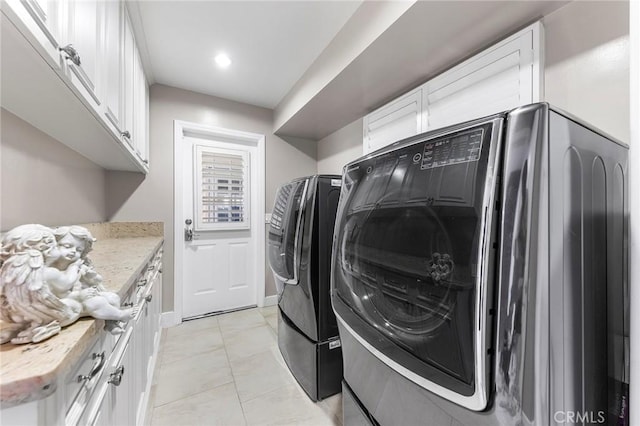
110,385
123,393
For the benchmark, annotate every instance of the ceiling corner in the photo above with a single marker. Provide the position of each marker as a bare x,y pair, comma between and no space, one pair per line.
141,40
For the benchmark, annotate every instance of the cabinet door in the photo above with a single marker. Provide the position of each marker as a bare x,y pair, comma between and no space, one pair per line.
397,120
113,64
84,35
135,96
137,347
128,57
42,22
121,396
157,311
140,108
99,412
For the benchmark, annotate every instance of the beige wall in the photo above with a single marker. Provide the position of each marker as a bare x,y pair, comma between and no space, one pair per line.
131,198
587,63
339,148
43,181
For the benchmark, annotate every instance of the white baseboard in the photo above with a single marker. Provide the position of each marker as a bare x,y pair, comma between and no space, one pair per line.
271,300
169,319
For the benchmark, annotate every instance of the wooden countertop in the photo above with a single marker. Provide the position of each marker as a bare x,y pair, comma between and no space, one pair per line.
30,372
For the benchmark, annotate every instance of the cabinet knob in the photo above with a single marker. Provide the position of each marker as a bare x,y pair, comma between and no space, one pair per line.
72,53
149,297
145,161
126,134
142,282
115,378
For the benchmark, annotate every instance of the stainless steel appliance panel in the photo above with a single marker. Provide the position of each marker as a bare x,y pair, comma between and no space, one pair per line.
560,328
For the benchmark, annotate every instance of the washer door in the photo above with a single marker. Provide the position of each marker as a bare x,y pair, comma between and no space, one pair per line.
285,233
407,269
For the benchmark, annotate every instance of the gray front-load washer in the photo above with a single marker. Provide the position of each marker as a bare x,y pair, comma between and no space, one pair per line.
479,276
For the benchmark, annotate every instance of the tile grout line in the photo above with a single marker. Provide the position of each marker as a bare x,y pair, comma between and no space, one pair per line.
166,340
235,386
331,416
275,335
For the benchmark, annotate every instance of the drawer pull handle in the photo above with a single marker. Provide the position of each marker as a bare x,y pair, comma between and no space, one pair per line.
142,283
128,304
126,134
151,267
97,367
115,378
148,298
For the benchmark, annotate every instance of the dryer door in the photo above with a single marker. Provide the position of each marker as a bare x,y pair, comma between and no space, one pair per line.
285,233
412,257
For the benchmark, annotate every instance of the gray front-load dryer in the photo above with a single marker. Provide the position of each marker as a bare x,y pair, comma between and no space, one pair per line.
479,276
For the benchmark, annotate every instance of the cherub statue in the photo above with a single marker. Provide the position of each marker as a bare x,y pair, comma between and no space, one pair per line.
74,243
47,282
31,312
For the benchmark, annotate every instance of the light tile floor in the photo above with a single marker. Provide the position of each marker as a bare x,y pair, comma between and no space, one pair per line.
227,370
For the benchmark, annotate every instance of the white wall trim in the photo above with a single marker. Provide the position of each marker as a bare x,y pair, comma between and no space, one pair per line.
169,319
180,128
271,300
634,212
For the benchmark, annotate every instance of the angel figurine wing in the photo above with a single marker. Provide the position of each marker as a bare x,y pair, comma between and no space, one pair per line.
26,298
23,269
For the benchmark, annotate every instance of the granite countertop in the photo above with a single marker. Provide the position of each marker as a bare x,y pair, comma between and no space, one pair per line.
30,372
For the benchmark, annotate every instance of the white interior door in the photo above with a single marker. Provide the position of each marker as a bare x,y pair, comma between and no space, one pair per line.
219,190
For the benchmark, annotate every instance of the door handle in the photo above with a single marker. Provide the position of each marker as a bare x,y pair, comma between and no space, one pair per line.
297,242
188,231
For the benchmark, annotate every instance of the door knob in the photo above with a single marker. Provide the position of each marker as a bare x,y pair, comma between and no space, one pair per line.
188,231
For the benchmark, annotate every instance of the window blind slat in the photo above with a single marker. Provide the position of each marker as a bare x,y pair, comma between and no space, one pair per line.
222,194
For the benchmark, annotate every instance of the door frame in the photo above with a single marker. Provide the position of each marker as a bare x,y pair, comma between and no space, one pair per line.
182,128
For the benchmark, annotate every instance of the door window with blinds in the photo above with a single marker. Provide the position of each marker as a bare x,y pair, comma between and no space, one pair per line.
221,190
500,78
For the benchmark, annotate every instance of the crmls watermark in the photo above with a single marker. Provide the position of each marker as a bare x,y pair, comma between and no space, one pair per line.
589,417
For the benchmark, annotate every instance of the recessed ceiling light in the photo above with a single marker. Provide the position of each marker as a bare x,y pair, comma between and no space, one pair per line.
222,60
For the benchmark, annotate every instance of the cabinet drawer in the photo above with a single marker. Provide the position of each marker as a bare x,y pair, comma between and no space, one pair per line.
151,271
81,382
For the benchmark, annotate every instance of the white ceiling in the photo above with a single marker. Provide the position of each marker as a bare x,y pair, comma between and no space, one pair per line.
270,43
429,38
273,46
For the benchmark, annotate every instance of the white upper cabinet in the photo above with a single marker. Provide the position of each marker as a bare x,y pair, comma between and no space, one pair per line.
141,95
43,19
71,68
113,36
82,47
398,119
135,95
129,55
502,77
